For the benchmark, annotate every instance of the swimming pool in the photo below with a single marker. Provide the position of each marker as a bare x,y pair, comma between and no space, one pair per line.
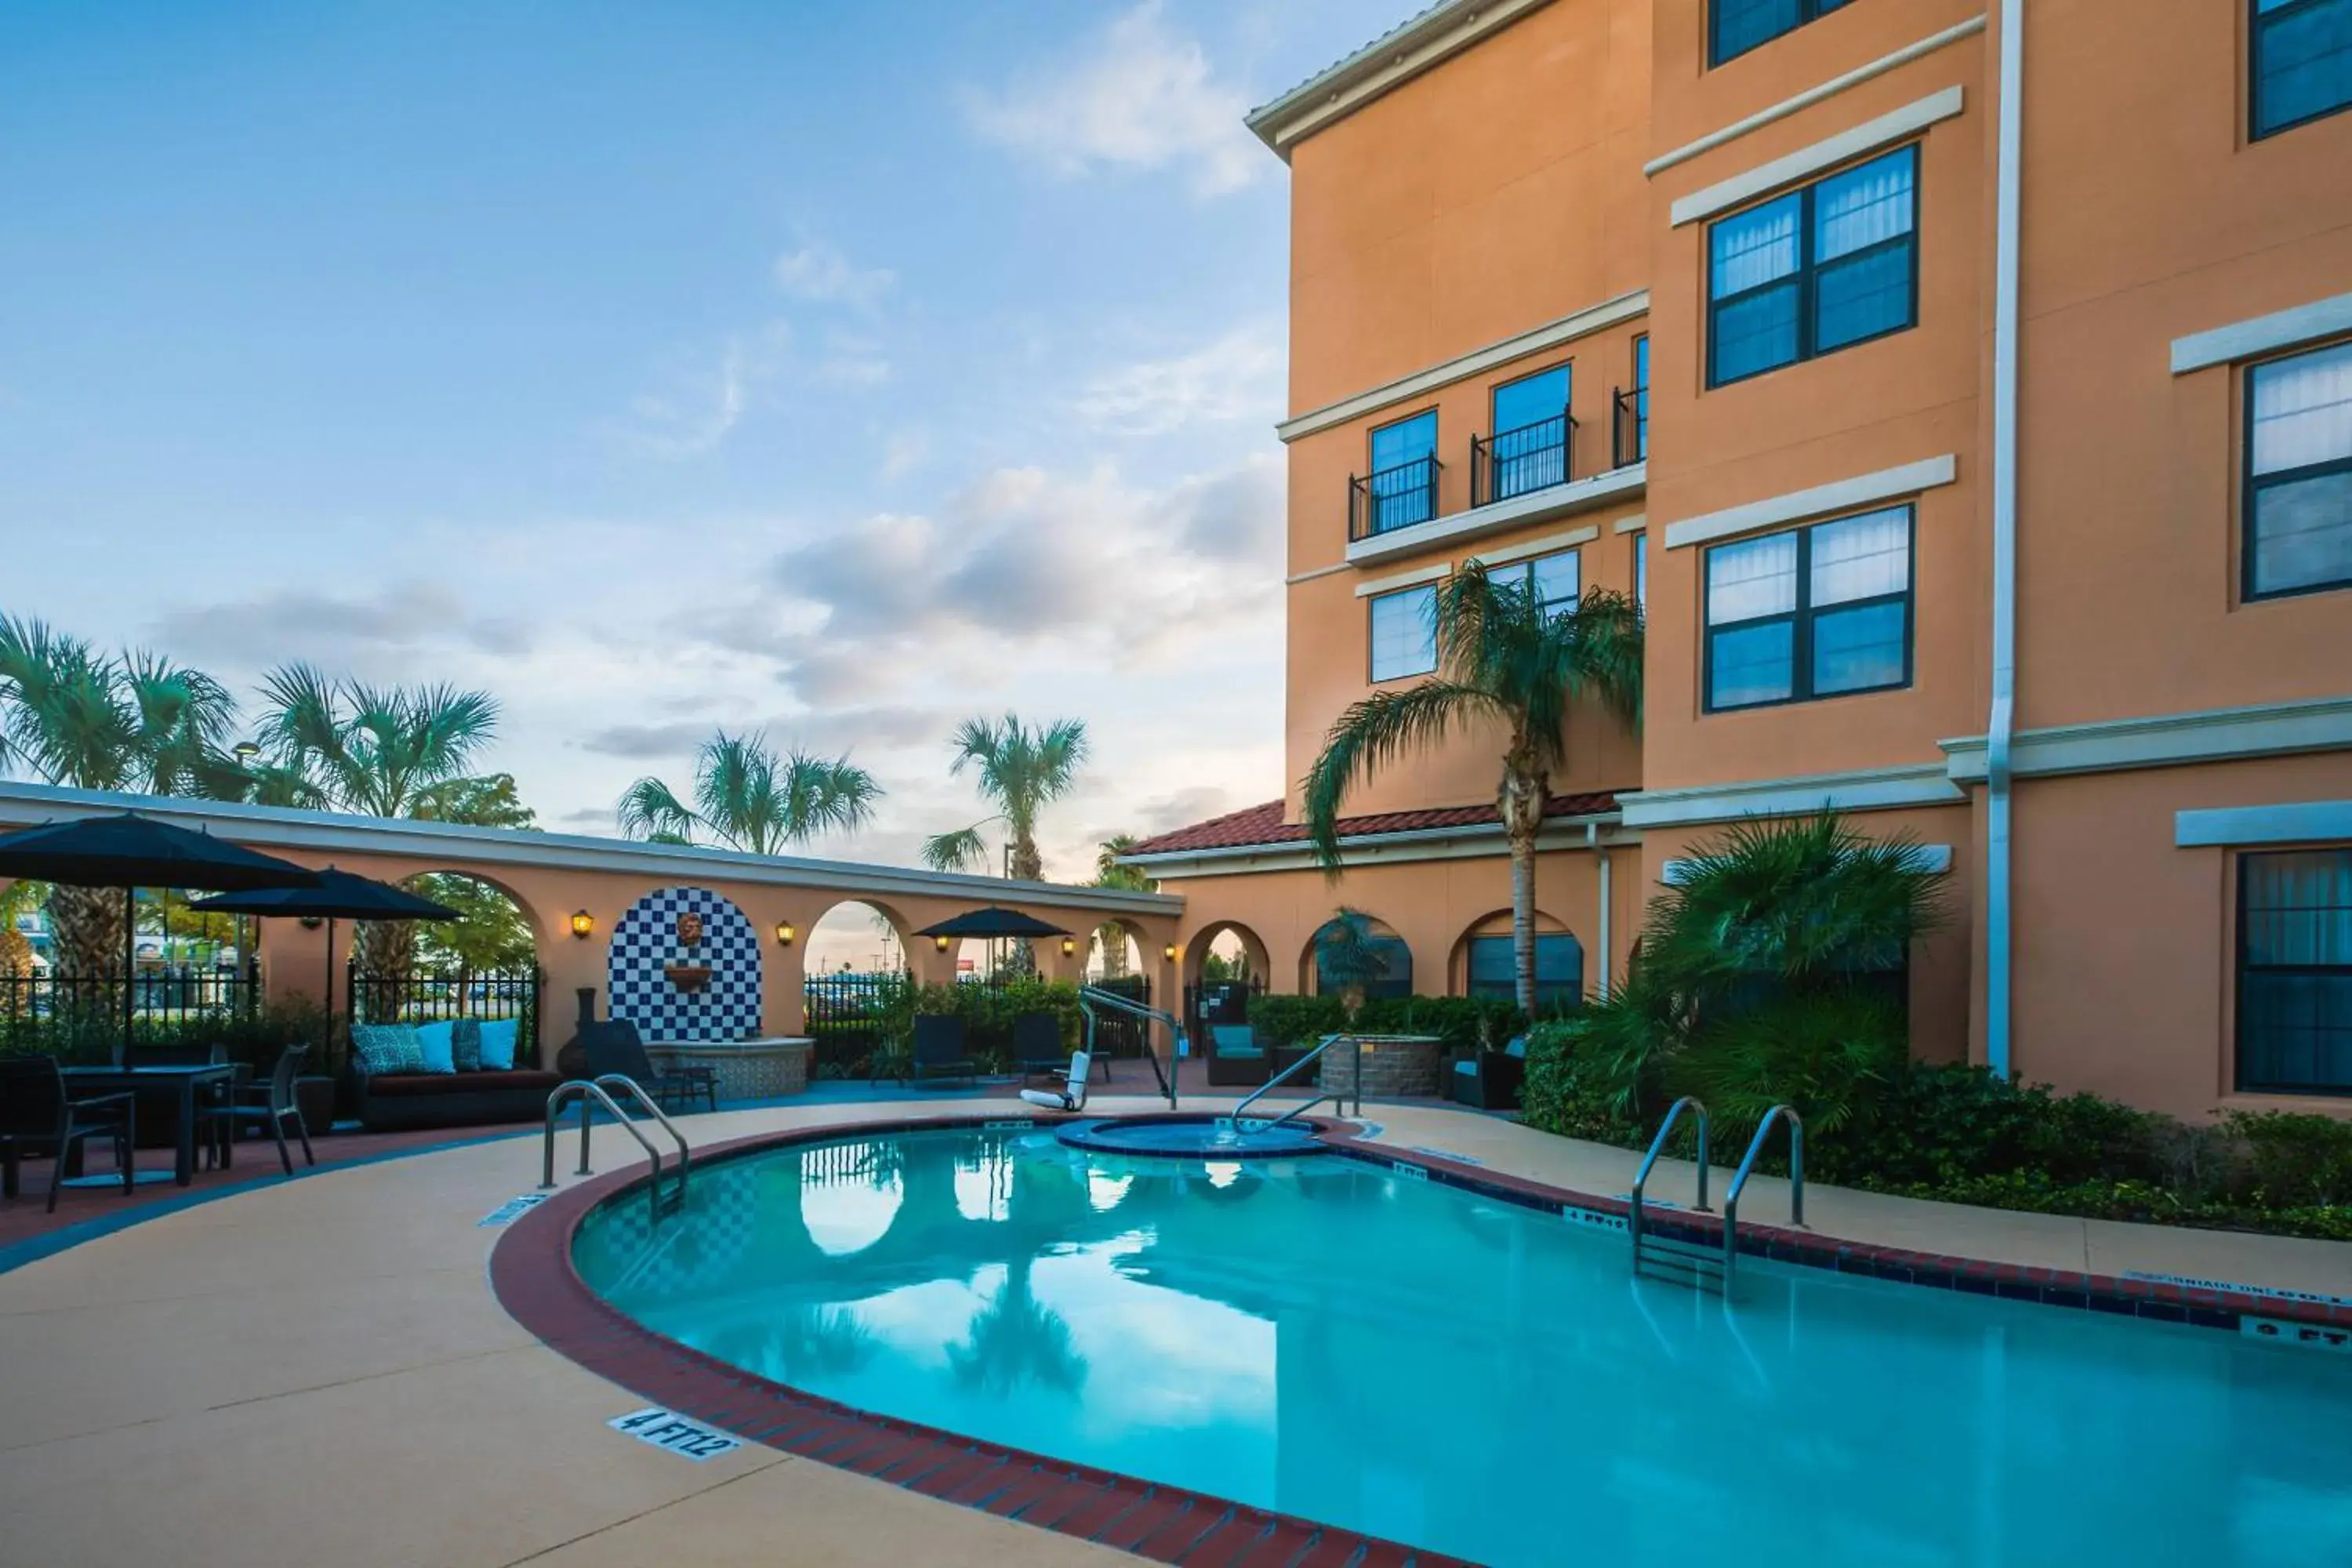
1327,1338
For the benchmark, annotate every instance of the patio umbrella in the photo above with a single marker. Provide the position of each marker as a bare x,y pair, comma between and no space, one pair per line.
992,921
339,895
129,851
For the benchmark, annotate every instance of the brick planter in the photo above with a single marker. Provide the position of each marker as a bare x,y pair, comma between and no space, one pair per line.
747,1069
1394,1065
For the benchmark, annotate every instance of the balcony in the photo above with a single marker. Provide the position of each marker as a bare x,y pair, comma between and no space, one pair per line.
1518,476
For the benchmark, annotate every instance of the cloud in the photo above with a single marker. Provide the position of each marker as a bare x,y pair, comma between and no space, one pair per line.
299,624
644,742
700,404
1239,376
819,274
903,453
853,362
1140,97
1196,804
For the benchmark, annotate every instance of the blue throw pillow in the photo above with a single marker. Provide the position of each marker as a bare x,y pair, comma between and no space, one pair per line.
387,1048
498,1045
466,1045
438,1042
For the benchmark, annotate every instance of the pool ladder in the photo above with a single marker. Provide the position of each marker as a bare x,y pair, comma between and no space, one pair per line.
1338,1099
1688,1263
594,1091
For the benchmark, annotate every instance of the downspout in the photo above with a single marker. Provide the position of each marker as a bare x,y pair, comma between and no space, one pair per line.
1601,855
2001,722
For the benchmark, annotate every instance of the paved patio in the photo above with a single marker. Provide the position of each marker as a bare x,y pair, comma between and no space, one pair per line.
314,1372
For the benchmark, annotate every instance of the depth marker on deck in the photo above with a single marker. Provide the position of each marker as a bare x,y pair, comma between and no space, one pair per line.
668,1430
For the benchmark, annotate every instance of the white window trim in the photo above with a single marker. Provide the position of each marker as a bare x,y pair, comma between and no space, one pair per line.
1821,500
1527,550
2299,822
1866,789
2251,339
1495,517
1937,858
1633,524
1828,154
1391,585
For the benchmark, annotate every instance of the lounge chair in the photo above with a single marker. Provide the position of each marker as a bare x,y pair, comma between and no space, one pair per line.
35,1110
1071,1095
269,1105
616,1047
1490,1081
1036,1044
1237,1056
938,1049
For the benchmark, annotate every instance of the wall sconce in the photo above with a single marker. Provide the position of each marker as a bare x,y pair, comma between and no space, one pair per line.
783,934
1169,952
942,941
1069,946
583,922
245,752
312,922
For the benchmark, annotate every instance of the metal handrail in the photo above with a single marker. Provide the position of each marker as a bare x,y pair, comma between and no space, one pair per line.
637,1093
1093,996
584,1090
1796,1181
1355,1041
1657,1145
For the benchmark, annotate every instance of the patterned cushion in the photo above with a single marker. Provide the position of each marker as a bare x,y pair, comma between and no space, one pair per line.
499,1044
439,1044
466,1046
387,1048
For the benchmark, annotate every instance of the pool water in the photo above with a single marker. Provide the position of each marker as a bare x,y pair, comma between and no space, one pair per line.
1326,1338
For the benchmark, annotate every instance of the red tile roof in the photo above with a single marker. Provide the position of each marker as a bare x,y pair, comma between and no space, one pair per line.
1264,823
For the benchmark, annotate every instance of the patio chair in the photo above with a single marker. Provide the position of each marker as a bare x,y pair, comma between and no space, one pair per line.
1236,1056
1036,1044
269,1104
939,1050
1071,1095
1490,1081
35,1112
616,1047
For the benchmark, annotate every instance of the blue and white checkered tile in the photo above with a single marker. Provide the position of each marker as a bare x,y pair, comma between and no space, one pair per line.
645,941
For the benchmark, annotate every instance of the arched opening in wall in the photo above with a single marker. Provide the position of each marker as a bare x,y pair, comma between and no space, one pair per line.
1484,964
482,965
1354,951
1225,964
1115,953
1118,960
854,979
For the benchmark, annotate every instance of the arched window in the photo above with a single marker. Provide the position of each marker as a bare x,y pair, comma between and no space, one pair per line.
1559,969
1396,965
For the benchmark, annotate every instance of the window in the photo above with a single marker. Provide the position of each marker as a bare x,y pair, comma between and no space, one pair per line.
1642,570
1816,612
1404,472
1529,451
1395,978
2295,971
2298,506
1556,580
1405,633
1559,969
1640,398
1742,24
2302,52
1818,269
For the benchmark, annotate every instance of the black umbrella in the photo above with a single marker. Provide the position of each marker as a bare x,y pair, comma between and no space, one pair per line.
992,921
131,851
339,895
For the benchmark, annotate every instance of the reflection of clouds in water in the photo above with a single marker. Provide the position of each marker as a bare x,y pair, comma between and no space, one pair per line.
1104,1191
1222,1173
983,1187
849,1215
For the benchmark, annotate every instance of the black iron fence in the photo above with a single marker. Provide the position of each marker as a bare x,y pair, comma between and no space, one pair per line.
161,995
1628,426
1117,1035
429,997
1532,458
1392,498
850,1016
1215,1002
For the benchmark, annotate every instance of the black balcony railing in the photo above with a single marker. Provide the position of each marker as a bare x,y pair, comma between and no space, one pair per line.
1628,426
1392,498
1532,458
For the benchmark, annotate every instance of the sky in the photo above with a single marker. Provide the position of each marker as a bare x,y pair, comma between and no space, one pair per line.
832,371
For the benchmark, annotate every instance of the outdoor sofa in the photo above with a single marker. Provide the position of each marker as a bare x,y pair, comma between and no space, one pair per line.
400,1080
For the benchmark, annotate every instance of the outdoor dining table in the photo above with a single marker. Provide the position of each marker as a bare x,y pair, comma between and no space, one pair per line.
154,1082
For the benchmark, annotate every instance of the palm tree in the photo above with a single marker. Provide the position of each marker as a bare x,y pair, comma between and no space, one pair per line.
750,800
1344,955
1021,771
1109,873
86,719
1502,659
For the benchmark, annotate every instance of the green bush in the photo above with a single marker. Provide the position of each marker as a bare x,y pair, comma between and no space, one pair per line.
987,1012
1464,1023
2293,1161
90,1035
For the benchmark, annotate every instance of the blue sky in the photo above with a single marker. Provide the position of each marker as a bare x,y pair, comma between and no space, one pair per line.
835,370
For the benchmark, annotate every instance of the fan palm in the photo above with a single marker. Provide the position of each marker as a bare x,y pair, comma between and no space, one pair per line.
1503,659
751,800
1110,873
1021,771
86,719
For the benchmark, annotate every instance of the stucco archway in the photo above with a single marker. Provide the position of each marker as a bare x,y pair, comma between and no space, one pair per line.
1481,964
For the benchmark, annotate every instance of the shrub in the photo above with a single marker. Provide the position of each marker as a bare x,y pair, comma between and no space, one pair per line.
1464,1023
1569,1089
987,1011
2294,1160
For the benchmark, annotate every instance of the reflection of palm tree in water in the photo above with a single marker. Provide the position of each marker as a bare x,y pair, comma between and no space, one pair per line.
820,1340
1016,1340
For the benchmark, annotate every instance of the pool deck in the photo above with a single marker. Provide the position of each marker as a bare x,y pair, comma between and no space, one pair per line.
315,1372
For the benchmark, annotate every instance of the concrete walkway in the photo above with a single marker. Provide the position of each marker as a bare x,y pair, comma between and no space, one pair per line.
314,1373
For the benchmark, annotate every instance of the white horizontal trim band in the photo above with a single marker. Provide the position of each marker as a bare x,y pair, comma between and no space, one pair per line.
1813,95
1869,136
443,844
2301,822
1309,576
1863,490
1536,506
1633,524
1401,579
1935,859
2165,740
1380,67
1535,340
1469,841
2264,334
1527,548
1869,789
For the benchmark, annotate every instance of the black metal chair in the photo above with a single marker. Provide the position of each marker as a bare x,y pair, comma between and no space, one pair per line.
616,1047
35,1112
269,1105
1038,1047
1490,1081
1237,1057
938,1049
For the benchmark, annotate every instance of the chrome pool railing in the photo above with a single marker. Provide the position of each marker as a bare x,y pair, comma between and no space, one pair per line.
1739,1182
1669,1259
1338,1100
1092,997
588,1091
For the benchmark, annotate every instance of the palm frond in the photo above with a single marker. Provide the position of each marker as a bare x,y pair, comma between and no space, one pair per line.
961,850
1373,733
649,810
